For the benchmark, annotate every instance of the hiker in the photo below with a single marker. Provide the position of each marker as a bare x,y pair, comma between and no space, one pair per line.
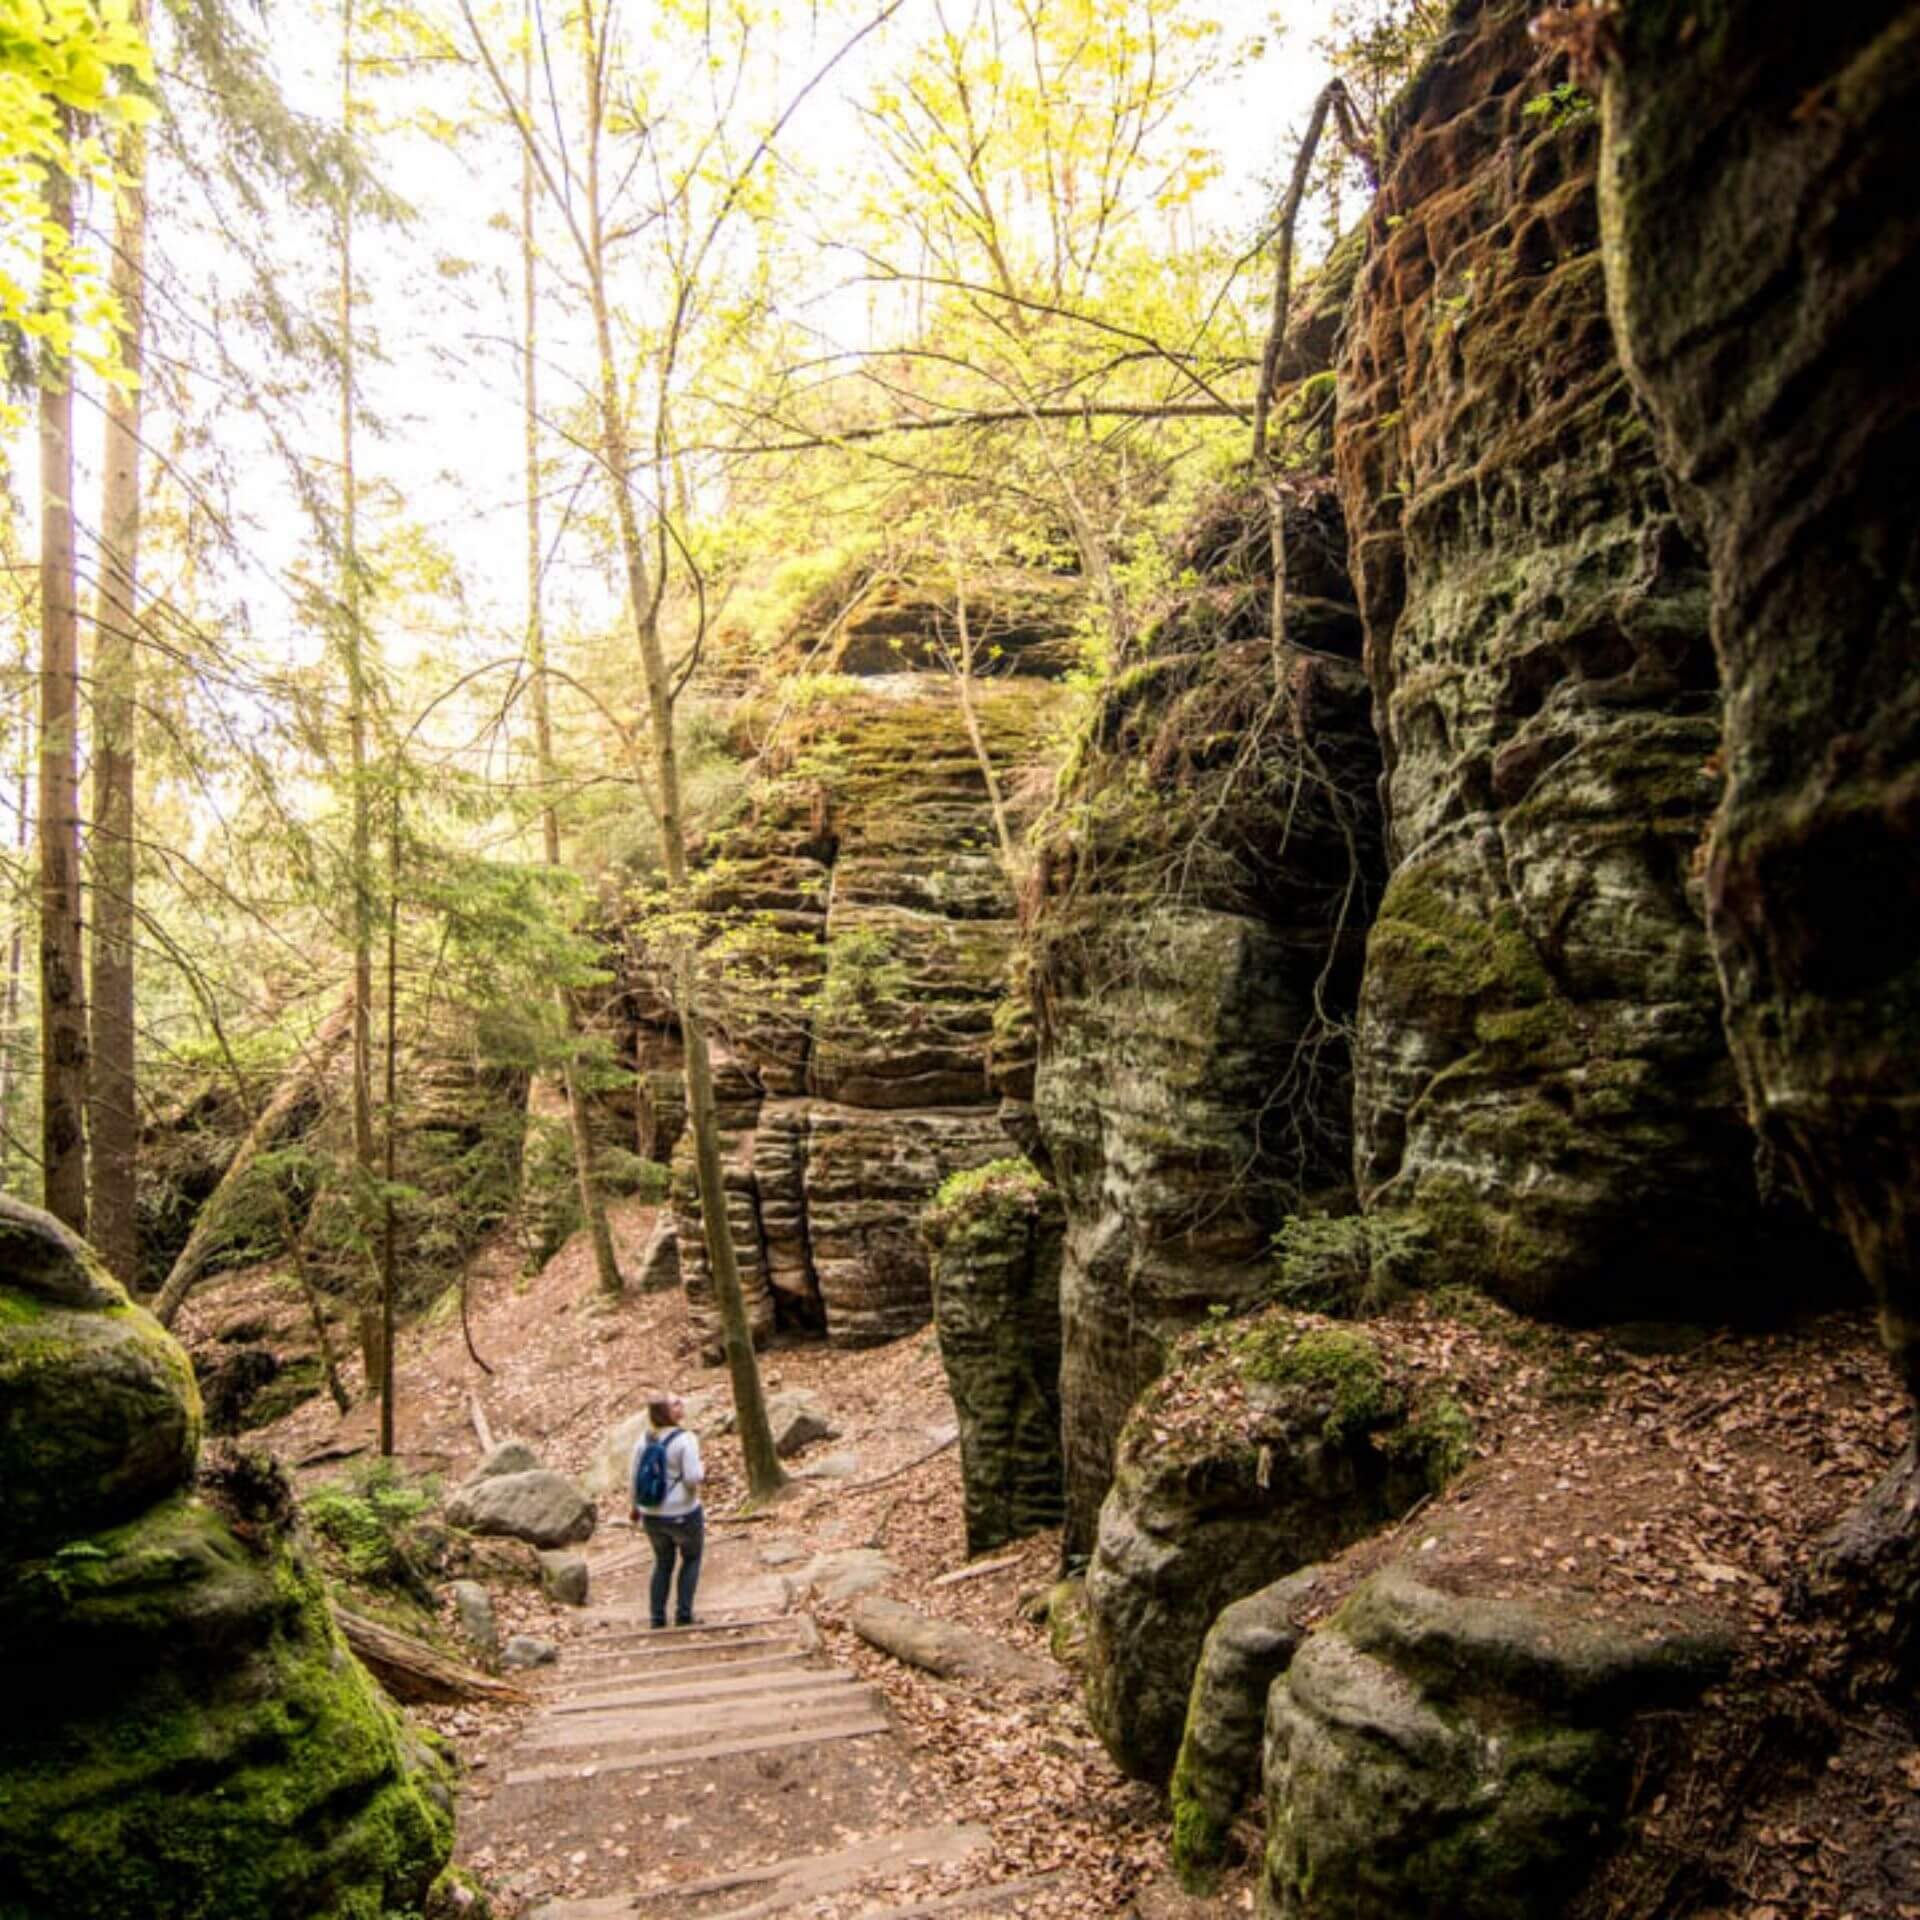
667,1477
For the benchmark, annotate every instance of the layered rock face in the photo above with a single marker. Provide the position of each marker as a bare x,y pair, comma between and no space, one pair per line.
1205,883
995,1238
1268,1444
1764,248
186,1737
856,993
1543,1082
1432,1757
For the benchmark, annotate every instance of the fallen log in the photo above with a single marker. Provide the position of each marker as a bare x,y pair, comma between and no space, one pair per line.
946,1649
292,1108
412,1671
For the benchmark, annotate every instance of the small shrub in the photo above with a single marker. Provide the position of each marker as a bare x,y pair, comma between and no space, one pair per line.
363,1521
1345,1266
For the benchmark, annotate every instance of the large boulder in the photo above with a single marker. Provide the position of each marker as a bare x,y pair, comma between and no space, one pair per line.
1764,265
1431,1756
186,1735
995,1236
1543,1083
541,1507
1268,1444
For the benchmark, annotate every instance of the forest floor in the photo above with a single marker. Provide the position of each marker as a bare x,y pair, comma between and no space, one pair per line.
1613,1473
980,1788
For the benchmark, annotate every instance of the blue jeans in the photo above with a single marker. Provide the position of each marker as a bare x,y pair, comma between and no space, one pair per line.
686,1535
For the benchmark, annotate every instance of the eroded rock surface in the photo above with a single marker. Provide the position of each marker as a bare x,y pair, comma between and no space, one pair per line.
856,995
995,1236
1543,1082
1205,884
186,1736
1247,1649
1764,248
1438,1757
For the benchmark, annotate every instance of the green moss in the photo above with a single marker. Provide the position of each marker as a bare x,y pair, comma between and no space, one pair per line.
1342,1363
985,1205
1438,1441
1426,947
216,1754
1199,1839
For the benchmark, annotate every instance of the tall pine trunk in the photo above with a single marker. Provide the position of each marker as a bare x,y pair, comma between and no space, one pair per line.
593,1206
113,1123
63,1008
360,880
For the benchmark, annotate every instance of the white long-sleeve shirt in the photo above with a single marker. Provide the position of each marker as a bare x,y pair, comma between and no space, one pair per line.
685,1475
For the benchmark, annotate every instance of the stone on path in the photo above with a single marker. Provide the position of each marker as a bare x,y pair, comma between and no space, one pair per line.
527,1650
841,1575
544,1508
798,1418
831,1466
473,1607
564,1578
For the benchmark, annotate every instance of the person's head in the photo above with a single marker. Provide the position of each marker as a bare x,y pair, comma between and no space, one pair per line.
666,1409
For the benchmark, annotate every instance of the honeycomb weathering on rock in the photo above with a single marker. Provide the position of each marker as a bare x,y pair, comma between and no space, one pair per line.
1542,1080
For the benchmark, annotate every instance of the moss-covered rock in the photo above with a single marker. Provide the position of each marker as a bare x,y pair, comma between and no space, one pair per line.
1203,886
1247,1649
186,1735
995,1237
1439,1757
856,973
1542,1081
1763,257
1267,1445
99,1414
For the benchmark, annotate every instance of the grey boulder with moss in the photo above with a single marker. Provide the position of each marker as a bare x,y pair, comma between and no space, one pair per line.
541,1507
1269,1443
1247,1649
995,1236
1431,1756
186,1735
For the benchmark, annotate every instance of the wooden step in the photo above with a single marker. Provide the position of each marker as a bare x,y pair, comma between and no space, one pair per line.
786,1884
701,1722
647,1673
748,1686
681,1757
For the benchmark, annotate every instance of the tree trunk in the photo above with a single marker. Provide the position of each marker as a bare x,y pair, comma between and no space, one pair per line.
411,1670
765,1475
113,1123
969,713
593,1206
390,1128
63,1010
361,879
10,1036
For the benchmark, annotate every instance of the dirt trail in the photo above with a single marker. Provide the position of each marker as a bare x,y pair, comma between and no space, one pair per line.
725,1771
993,1797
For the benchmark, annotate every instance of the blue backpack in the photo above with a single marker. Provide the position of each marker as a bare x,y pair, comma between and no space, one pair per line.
650,1477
